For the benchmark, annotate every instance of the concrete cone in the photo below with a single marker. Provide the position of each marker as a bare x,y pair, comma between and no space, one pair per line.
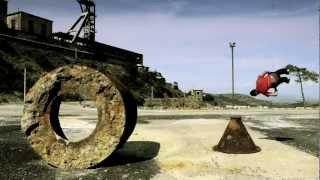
236,139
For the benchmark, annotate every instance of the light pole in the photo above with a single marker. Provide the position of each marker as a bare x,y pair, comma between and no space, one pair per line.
152,93
232,45
76,53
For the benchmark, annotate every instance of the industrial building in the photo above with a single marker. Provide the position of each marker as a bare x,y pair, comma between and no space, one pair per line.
24,22
198,94
78,41
28,23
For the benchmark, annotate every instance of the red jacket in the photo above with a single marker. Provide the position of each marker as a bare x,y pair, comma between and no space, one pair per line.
264,83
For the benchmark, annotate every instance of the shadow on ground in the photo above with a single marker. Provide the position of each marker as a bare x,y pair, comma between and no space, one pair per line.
303,139
17,159
279,138
132,152
135,160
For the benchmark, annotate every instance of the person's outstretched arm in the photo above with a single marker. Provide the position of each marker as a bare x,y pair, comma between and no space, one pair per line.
265,73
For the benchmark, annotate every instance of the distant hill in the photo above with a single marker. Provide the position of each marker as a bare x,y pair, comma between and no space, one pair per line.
289,99
239,99
245,100
15,55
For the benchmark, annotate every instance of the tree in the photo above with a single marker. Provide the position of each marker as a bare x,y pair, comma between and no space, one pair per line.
303,75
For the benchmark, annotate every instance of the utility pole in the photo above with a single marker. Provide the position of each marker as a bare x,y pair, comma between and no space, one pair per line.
232,45
319,57
24,84
152,93
76,53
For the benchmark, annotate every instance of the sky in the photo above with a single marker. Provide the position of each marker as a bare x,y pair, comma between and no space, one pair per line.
188,41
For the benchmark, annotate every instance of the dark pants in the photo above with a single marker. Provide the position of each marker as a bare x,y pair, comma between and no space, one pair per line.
277,75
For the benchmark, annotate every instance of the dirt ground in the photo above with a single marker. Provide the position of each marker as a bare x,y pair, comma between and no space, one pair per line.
174,144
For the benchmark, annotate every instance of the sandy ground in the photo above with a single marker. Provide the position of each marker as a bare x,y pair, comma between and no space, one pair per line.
174,145
186,153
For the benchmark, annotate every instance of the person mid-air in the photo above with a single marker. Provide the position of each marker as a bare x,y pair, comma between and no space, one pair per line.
268,81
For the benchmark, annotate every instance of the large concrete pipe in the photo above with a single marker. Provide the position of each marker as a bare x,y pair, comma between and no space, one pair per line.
117,115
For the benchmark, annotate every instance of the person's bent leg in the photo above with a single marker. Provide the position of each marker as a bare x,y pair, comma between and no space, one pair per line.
284,79
282,71
281,80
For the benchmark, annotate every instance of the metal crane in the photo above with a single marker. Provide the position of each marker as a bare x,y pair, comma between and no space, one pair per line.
86,23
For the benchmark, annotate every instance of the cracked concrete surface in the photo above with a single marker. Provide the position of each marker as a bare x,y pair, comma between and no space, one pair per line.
178,146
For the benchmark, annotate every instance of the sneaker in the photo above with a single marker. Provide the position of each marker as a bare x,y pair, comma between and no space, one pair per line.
287,71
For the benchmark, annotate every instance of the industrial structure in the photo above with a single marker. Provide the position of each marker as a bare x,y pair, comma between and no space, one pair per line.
83,30
86,23
3,13
78,40
197,94
28,23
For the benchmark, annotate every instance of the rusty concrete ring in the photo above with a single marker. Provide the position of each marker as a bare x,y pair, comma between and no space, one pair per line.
117,115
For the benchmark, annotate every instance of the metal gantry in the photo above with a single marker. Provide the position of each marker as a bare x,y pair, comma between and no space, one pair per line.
86,23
